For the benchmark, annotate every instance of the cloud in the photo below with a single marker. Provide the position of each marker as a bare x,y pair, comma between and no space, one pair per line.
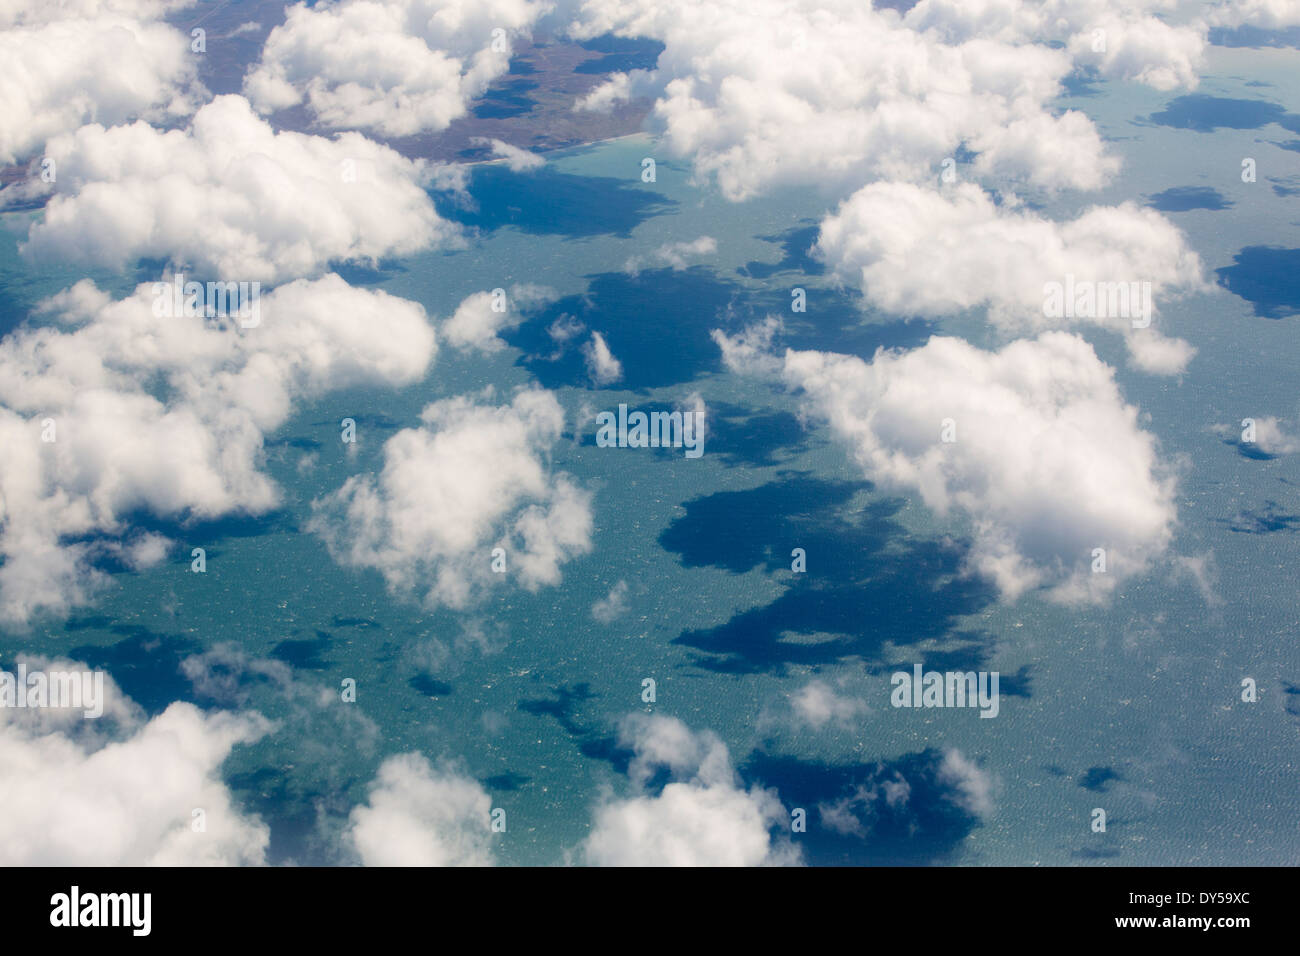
1263,435
32,12
1266,14
518,160
1203,571
69,64
1122,40
619,88
399,67
233,199
973,787
421,816
612,606
111,409
675,255
1272,438
702,817
602,366
920,251
1046,460
471,479
750,351
120,790
835,94
146,551
223,672
1142,49
816,704
482,316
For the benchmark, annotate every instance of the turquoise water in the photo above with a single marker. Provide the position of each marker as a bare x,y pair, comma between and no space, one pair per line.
1133,707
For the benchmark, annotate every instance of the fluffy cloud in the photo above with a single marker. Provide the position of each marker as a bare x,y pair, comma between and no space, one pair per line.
816,704
1143,49
1271,436
1046,459
473,478
69,64
921,251
1126,41
834,93
1266,14
421,816
602,366
395,66
232,198
120,790
675,255
115,409
518,160
612,606
482,316
31,12
973,788
702,817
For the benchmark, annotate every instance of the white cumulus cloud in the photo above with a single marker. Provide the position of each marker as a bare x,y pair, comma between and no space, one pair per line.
1045,458
419,815
232,198
517,160
602,366
481,317
817,704
764,93
674,255
398,67
66,64
472,478
121,790
91,438
922,251
703,817
1266,14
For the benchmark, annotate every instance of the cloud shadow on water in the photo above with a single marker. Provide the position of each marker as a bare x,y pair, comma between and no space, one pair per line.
656,324
551,203
733,434
898,812
1266,520
1267,277
1185,198
960,652
796,254
304,654
145,664
867,583
430,686
758,439
1205,114
1099,779
564,709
